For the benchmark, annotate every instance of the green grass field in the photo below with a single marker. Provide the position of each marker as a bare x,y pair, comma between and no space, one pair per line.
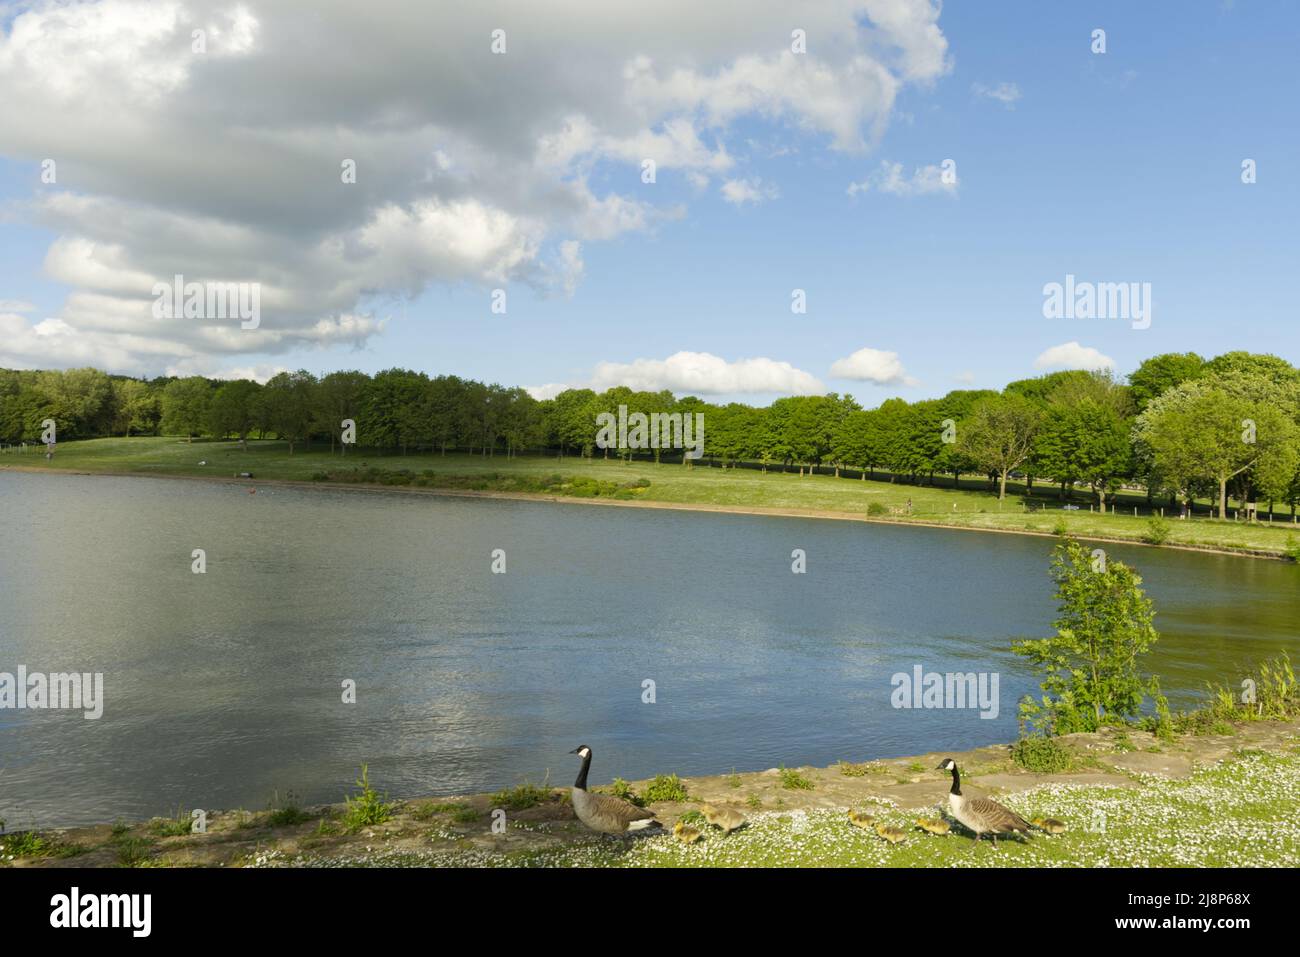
972,506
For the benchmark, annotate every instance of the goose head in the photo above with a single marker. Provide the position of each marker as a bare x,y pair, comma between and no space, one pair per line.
582,751
947,764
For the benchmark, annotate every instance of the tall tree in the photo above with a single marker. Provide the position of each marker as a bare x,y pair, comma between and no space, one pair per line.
999,435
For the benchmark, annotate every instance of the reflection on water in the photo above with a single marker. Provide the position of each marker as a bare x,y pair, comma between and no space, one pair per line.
224,688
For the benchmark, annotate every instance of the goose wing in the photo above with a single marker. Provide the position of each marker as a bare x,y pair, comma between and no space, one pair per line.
995,817
612,810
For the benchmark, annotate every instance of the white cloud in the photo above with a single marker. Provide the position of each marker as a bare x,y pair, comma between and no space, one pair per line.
889,178
1004,93
548,391
471,168
16,305
738,192
702,373
1071,355
872,365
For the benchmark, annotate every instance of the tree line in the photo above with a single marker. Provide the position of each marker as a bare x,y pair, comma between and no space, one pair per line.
1181,426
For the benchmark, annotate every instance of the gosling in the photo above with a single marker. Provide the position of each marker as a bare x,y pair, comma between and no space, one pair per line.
861,819
729,819
1049,824
894,835
686,834
932,826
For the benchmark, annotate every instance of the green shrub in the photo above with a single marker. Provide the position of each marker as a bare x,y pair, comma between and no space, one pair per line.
1042,754
665,787
430,810
25,844
172,826
621,789
1157,532
876,508
367,807
133,852
792,780
522,797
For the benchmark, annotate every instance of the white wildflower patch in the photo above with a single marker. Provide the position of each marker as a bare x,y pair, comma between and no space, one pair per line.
1240,813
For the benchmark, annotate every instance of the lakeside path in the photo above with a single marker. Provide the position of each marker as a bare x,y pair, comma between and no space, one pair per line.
1201,535
1226,799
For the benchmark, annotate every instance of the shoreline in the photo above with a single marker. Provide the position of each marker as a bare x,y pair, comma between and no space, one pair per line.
458,830
755,510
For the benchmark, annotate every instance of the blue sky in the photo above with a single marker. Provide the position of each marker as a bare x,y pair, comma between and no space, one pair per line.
1115,167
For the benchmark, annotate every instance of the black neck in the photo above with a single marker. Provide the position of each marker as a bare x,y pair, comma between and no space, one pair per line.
581,783
956,782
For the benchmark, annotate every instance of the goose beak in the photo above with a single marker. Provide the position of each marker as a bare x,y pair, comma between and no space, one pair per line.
575,750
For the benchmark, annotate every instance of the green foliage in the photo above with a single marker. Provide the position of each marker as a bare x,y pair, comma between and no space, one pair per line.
621,789
1292,548
177,826
286,812
1042,755
1269,692
133,852
521,797
1157,532
430,810
876,508
693,818
24,844
792,780
367,807
665,787
1089,669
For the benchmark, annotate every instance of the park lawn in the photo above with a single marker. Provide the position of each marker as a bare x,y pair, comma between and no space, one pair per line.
971,506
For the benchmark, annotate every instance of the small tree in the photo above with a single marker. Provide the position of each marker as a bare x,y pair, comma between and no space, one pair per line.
1090,667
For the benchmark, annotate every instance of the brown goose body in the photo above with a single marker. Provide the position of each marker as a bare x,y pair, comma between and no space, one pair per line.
604,812
981,815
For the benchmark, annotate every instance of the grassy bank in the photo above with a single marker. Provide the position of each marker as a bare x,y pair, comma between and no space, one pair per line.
970,506
1228,798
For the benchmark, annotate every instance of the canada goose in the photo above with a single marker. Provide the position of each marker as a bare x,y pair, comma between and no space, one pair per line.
981,815
894,835
932,825
861,819
727,818
685,834
1049,824
604,812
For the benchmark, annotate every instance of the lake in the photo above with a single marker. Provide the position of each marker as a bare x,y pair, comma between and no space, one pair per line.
224,689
